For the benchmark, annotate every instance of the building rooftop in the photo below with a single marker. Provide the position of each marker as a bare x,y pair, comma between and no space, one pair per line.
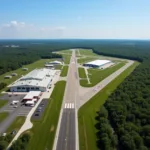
36,78
32,94
98,62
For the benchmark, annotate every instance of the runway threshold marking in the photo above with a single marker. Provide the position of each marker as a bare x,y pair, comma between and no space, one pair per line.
69,105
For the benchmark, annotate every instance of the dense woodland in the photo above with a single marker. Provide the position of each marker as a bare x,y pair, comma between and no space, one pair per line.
124,121
14,58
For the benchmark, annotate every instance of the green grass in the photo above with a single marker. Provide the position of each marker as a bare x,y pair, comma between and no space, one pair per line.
97,75
65,51
87,113
66,58
82,73
17,123
84,60
3,116
20,72
3,102
64,71
43,131
87,52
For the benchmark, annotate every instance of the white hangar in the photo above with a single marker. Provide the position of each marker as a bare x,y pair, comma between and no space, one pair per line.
36,80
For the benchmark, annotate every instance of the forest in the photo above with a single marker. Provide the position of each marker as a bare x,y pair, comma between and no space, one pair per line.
124,121
14,58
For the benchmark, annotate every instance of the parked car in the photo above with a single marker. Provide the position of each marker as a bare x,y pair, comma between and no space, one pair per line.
38,110
36,114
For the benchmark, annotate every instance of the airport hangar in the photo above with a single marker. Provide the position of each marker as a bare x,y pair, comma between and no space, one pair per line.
97,63
36,80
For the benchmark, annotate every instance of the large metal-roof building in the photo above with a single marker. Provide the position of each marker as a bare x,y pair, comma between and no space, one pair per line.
97,63
36,80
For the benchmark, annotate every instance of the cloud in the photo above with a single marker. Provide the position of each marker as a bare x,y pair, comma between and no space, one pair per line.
16,29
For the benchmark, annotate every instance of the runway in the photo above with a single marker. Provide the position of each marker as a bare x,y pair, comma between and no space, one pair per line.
67,132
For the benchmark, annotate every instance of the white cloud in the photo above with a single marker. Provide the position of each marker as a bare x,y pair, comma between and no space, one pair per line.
16,29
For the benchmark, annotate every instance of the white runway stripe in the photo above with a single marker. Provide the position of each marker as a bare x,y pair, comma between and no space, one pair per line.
69,106
65,105
72,105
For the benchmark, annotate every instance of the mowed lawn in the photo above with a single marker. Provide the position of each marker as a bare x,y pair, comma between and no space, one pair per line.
97,75
20,72
87,113
66,58
17,123
3,102
82,73
65,51
3,116
43,131
87,52
85,60
64,71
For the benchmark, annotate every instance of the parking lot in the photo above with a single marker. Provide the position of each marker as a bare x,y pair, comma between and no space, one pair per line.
11,108
40,110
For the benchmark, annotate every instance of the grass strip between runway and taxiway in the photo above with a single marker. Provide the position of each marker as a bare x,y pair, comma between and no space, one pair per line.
17,123
97,75
3,116
64,71
82,73
3,103
43,131
87,113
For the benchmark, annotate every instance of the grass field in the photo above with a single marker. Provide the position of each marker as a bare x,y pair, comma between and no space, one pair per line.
43,131
66,58
3,116
3,102
84,60
82,73
37,64
87,113
97,75
16,125
66,51
87,52
64,71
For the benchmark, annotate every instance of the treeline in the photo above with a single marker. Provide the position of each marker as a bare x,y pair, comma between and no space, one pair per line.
4,141
21,143
129,106
14,58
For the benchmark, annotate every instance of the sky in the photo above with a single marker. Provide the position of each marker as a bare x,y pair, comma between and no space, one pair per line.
75,19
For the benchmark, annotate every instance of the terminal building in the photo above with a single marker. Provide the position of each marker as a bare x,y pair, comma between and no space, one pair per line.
97,63
36,80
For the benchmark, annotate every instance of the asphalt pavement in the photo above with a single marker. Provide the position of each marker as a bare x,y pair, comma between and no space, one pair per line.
67,131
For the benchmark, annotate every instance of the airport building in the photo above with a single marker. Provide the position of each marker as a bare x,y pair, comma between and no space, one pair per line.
97,63
36,80
55,63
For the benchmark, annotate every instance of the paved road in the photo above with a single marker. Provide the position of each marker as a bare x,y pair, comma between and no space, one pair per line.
67,131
